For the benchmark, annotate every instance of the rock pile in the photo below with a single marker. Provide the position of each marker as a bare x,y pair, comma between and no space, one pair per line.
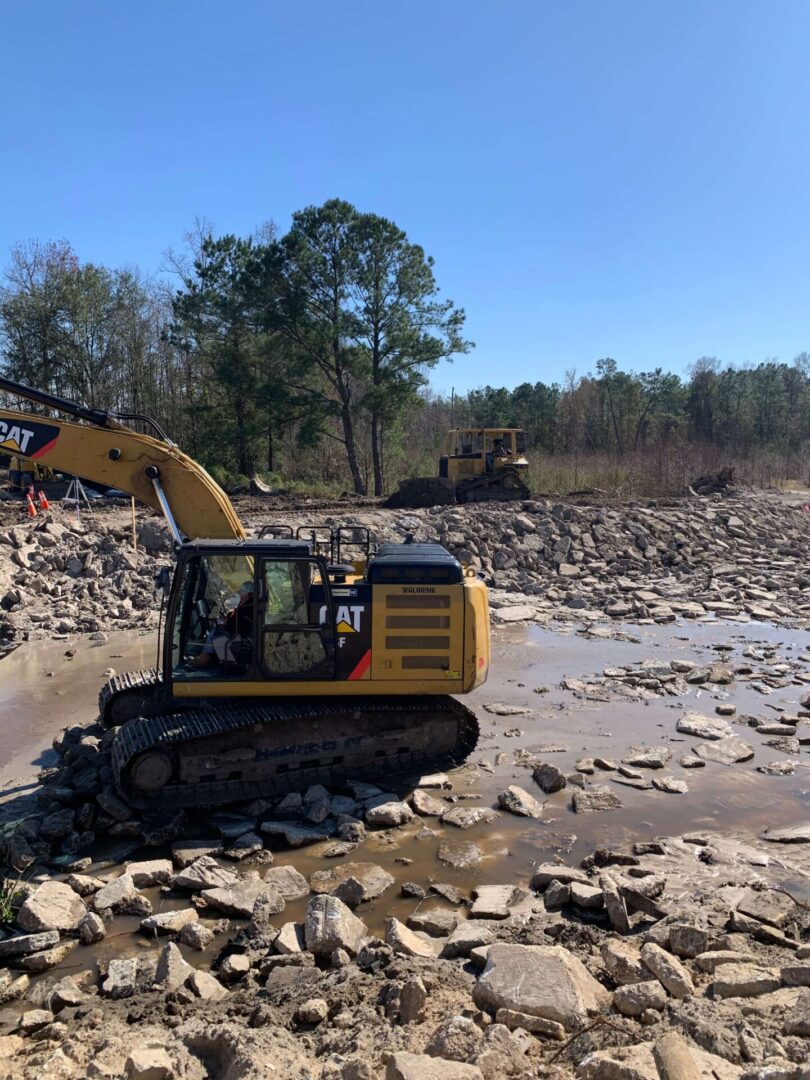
732,558
67,576
588,973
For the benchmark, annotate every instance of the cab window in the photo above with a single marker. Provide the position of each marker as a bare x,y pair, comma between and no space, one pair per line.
213,631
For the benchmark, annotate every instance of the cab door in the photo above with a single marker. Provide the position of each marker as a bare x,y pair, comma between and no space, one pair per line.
296,641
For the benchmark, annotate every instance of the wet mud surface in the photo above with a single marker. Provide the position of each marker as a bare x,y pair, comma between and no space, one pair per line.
559,727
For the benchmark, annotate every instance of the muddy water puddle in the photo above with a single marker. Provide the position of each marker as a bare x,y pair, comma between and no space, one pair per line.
561,728
43,689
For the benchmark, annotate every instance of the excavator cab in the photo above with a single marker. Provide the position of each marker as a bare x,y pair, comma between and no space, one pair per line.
260,614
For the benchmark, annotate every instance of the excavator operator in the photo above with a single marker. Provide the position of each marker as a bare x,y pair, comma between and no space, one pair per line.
236,626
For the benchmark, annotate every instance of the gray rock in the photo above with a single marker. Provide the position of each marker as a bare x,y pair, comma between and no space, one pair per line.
623,962
549,778
13,989
669,971
541,980
768,905
596,800
127,976
196,936
186,852
492,901
689,761
389,814
743,980
169,922
234,968
405,1066
585,896
427,805
92,928
456,1039
464,817
545,873
149,1063
240,900
498,708
115,895
204,873
66,994
36,963
797,1021
295,836
518,801
557,895
796,974
634,998
648,757
460,855
726,751
438,922
147,874
330,925
52,906
288,881
412,1000
670,785
793,834
352,882
687,940
204,986
83,885
172,970
703,727
28,943
468,935
290,939
249,843
406,942
312,1011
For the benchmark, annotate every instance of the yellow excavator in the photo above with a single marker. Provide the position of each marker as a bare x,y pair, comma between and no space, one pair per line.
476,465
286,659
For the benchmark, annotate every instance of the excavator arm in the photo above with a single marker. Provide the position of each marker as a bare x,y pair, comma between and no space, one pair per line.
103,449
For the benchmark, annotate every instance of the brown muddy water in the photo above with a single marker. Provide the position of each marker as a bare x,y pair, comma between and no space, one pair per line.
733,801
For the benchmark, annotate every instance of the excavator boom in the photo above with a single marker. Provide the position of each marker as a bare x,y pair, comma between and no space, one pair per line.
104,450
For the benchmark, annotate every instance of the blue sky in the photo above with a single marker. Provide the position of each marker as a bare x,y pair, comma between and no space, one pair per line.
593,178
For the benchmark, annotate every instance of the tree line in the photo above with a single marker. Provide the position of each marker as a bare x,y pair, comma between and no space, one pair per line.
305,357
270,347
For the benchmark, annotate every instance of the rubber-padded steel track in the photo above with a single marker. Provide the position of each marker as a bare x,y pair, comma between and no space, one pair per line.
230,750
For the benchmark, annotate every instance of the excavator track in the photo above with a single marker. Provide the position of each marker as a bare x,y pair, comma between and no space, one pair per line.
231,750
128,696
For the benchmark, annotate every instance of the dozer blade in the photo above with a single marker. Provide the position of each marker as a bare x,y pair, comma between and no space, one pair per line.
423,491
234,750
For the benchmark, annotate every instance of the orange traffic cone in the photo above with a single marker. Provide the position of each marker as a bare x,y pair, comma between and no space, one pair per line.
43,501
32,510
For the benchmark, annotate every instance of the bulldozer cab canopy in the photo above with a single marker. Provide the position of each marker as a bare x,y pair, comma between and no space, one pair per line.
467,442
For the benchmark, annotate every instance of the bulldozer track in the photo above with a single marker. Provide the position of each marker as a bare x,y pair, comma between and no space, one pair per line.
315,743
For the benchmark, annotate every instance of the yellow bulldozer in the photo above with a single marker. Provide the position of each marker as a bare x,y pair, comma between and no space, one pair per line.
476,465
287,658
